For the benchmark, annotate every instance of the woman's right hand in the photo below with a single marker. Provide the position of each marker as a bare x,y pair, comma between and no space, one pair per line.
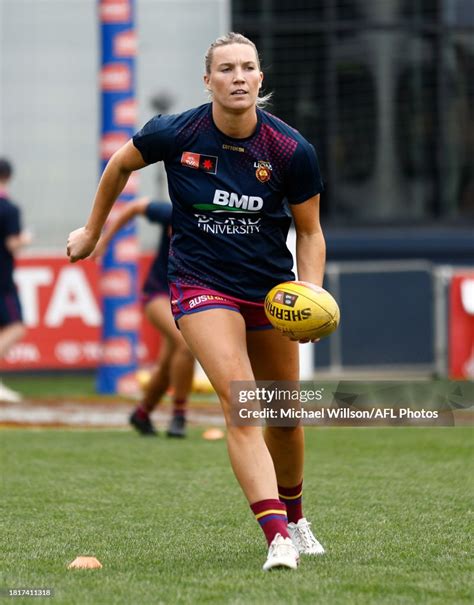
80,244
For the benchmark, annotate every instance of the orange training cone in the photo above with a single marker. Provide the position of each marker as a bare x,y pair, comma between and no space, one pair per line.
85,563
213,434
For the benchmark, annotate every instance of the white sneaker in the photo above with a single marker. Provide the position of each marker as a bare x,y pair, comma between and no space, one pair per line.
281,553
7,394
303,538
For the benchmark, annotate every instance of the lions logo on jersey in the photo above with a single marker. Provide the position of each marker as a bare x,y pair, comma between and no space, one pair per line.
264,171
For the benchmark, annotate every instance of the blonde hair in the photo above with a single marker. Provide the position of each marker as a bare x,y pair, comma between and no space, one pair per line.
235,38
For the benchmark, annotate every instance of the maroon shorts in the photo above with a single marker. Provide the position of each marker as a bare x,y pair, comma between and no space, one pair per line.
186,300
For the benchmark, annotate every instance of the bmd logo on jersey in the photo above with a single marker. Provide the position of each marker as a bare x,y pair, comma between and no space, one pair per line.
264,170
198,161
226,201
234,201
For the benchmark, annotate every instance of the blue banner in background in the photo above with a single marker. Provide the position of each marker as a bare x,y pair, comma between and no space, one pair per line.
119,276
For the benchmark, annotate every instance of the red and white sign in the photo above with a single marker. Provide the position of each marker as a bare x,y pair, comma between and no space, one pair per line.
128,384
116,77
128,318
73,353
461,326
115,11
116,282
126,250
117,351
110,143
125,113
62,314
125,44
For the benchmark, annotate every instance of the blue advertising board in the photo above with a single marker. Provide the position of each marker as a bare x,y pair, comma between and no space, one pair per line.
119,274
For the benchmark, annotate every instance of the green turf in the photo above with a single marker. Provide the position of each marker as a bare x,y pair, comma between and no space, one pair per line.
52,385
69,385
168,521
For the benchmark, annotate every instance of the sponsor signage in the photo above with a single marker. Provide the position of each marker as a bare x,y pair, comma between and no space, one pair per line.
461,326
198,161
285,298
125,113
119,268
115,11
116,283
126,250
63,316
125,44
128,318
116,77
117,351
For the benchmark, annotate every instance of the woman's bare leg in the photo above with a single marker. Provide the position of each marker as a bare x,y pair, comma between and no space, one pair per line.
217,339
275,357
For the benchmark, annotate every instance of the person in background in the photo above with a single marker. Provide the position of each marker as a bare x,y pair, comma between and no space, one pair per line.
175,367
12,239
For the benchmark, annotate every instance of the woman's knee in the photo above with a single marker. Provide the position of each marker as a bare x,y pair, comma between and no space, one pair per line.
243,434
182,349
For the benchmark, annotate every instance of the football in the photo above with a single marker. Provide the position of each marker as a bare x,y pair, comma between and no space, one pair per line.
302,310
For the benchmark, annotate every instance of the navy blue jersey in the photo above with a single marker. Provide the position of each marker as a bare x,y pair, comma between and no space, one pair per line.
230,198
157,278
10,224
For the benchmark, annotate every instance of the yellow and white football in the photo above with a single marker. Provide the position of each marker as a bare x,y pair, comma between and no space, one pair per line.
302,310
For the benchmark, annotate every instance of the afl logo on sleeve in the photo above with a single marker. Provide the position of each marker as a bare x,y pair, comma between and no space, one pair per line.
198,161
264,171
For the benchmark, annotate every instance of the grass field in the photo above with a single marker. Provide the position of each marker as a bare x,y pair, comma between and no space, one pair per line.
169,523
53,385
69,386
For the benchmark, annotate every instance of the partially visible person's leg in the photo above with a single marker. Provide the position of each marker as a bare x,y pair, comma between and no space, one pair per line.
175,368
182,372
10,335
12,331
177,364
218,340
276,357
182,368
160,378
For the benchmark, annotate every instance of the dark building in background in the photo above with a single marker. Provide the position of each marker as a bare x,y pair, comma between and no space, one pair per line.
385,91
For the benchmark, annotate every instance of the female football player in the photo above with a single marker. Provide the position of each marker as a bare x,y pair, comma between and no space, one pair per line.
237,175
175,366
